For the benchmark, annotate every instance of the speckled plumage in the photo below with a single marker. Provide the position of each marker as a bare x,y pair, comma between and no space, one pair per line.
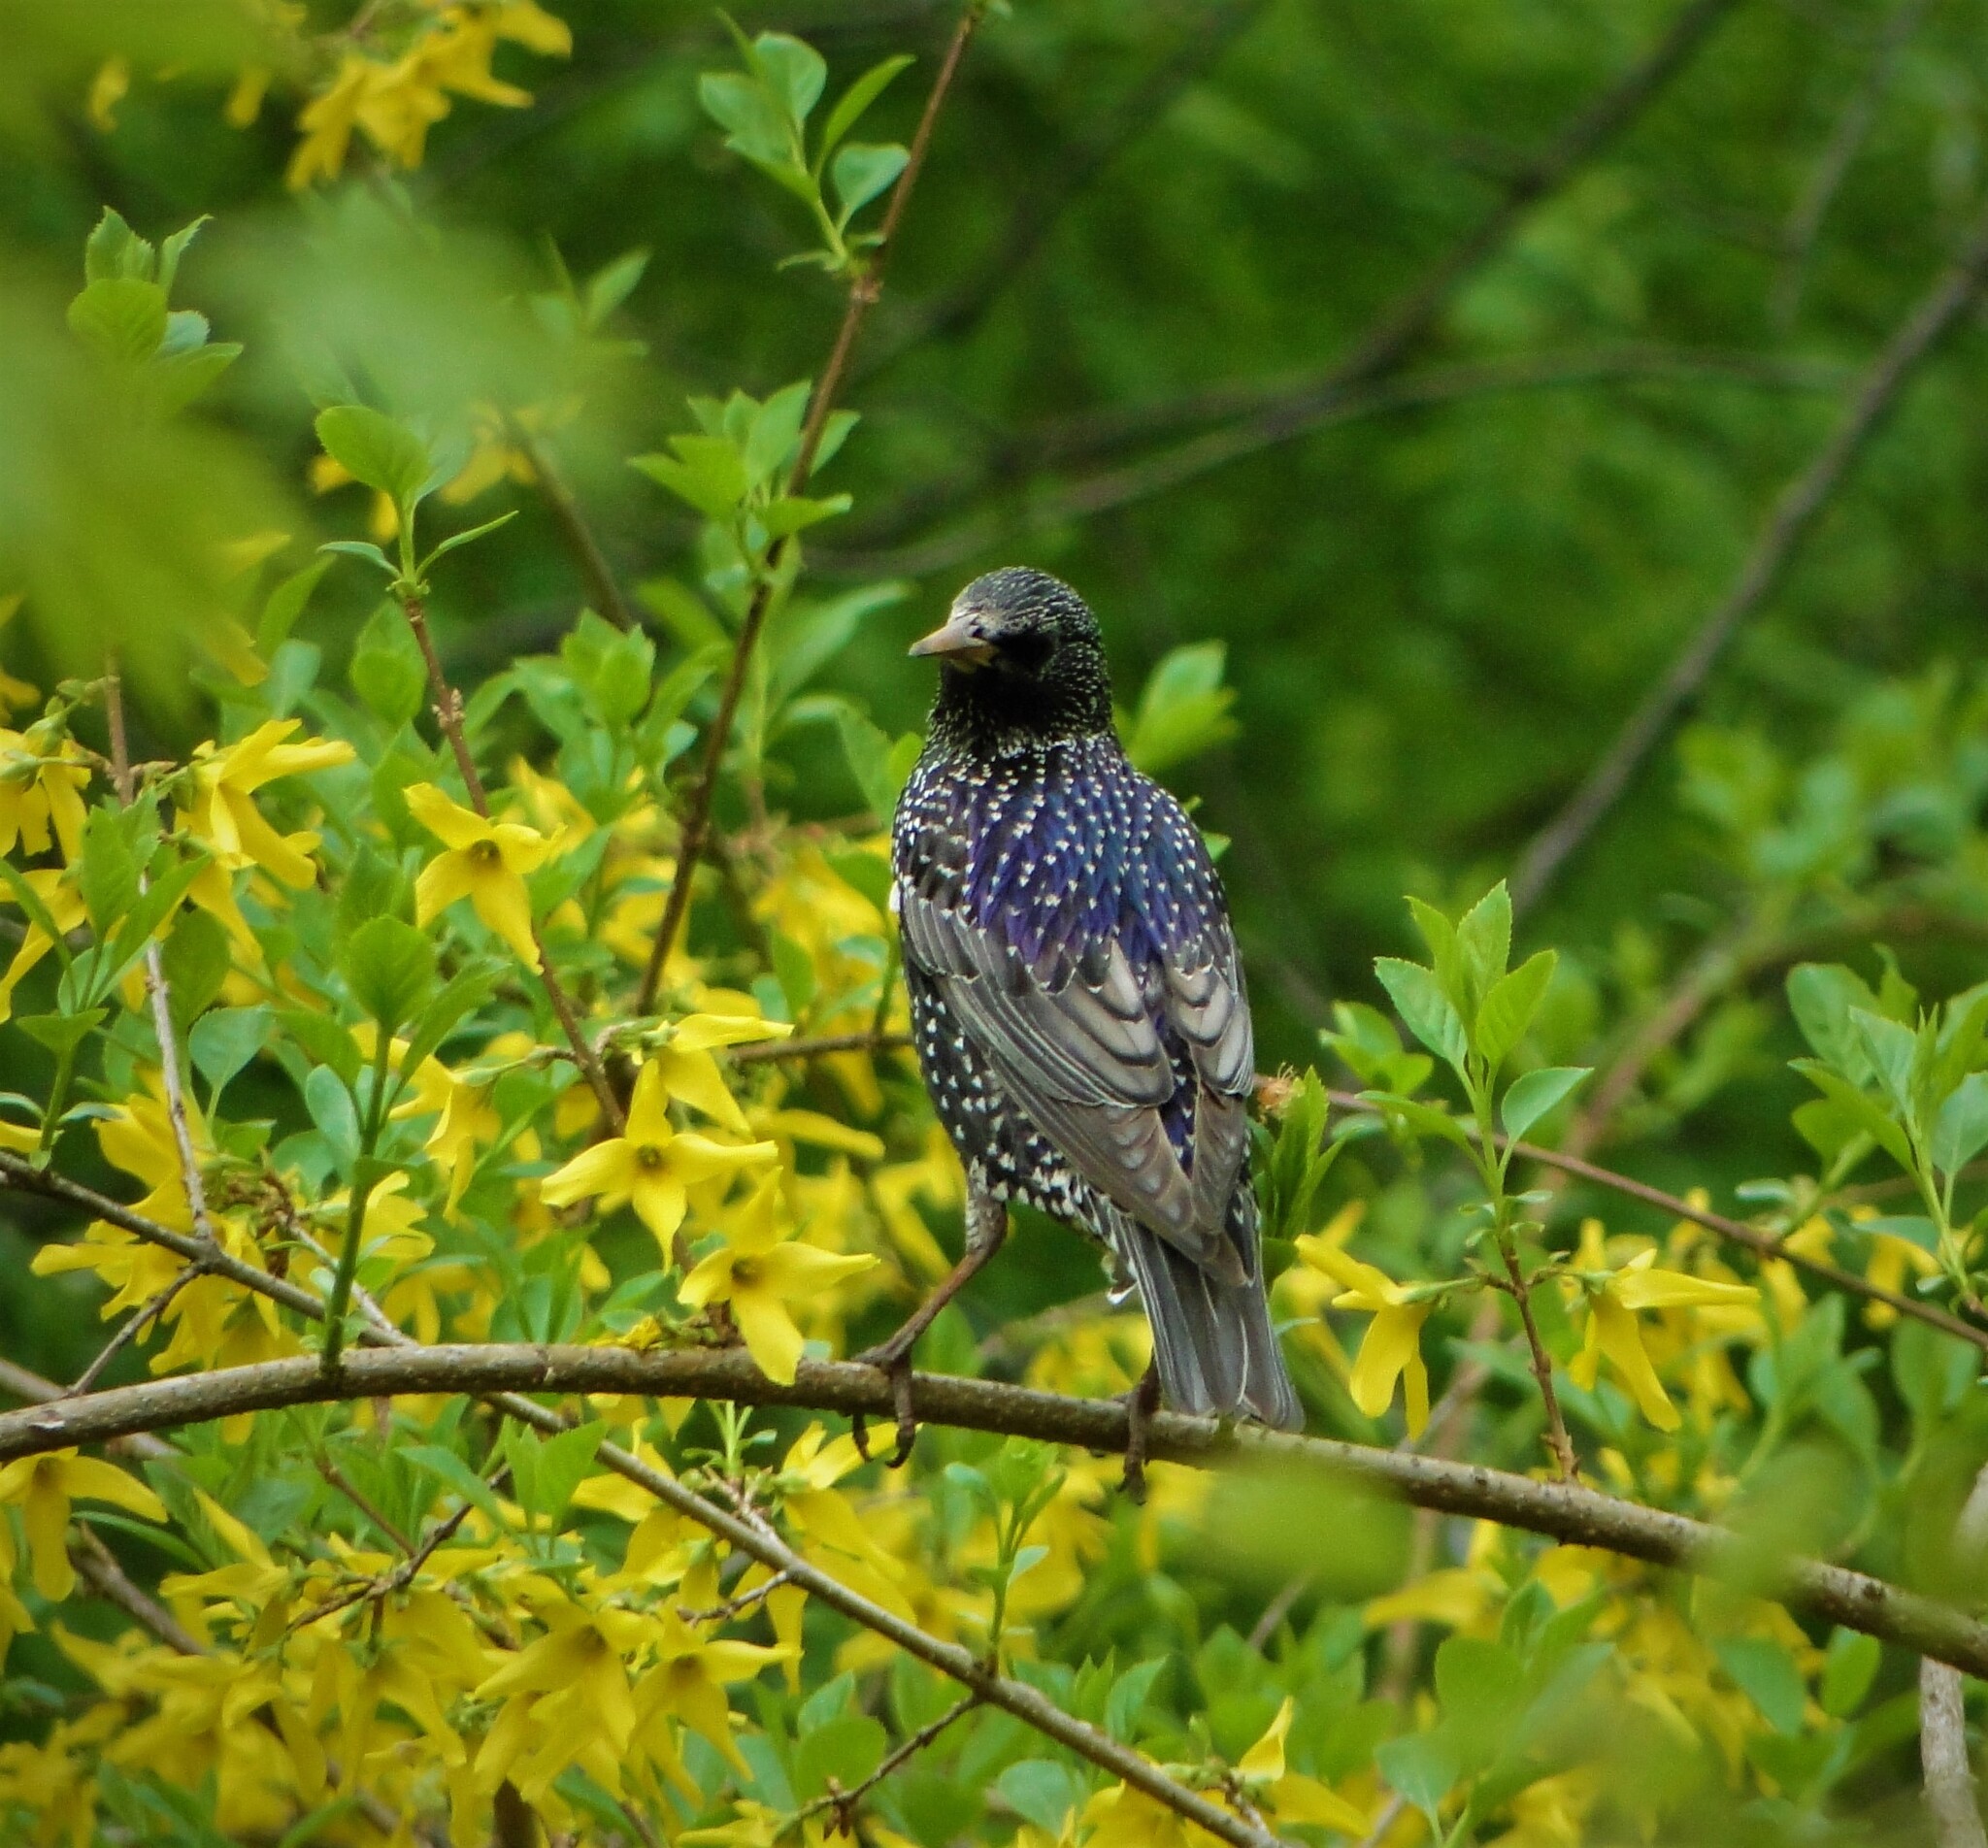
1076,999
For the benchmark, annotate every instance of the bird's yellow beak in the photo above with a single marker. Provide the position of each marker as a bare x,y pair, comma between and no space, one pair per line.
960,643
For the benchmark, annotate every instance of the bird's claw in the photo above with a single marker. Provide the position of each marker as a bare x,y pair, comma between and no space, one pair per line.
1141,1403
895,1364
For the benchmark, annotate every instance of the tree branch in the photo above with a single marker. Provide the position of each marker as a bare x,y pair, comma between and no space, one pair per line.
1287,413
503,1371
864,289
1794,513
596,574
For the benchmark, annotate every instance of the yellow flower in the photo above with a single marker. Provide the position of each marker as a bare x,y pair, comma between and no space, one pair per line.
1614,1297
691,1678
1293,1797
45,1486
1392,1349
486,862
222,813
64,906
36,793
757,1271
653,1166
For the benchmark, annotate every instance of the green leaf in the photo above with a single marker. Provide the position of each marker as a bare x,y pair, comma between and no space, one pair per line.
855,101
464,993
1961,1132
284,604
1041,1791
1849,1667
795,72
611,286
750,116
877,765
563,1463
846,1748
1510,1004
1421,1766
861,170
29,900
1890,1048
375,449
120,320
1183,707
223,1041
107,874
330,1105
1766,1673
390,965
1129,1696
142,922
324,1042
1425,1119
456,540
707,472
115,251
195,960
174,248
791,513
1424,1007
1484,940
1531,1097
386,668
362,548
1821,996
1861,1107
61,1033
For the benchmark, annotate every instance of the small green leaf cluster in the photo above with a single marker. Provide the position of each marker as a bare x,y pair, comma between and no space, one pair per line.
764,111
1904,1078
124,316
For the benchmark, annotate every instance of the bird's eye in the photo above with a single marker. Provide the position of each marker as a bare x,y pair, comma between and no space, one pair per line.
1027,650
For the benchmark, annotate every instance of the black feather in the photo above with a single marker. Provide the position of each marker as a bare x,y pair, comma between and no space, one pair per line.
1077,996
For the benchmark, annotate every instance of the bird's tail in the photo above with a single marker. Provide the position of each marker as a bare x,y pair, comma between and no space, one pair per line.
1213,1342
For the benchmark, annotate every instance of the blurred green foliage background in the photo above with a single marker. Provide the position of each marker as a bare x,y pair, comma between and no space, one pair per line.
1146,234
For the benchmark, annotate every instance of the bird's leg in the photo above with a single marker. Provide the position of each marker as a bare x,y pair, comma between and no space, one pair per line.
986,1227
1141,1403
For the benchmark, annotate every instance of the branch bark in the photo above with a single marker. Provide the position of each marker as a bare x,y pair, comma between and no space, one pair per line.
1795,511
503,1371
864,289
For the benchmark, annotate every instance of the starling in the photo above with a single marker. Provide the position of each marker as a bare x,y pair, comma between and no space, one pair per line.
1076,999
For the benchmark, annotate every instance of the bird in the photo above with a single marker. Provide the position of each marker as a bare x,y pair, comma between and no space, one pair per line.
1078,1002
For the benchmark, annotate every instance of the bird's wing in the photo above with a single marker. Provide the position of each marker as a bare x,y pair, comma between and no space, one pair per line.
1077,1036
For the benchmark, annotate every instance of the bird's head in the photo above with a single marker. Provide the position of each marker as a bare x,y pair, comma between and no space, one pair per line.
1021,658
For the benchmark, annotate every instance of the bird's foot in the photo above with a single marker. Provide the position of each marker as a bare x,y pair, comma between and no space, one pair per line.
1141,1403
893,1359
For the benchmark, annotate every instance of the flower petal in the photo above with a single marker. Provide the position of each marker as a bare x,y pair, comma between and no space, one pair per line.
770,1336
607,1167
504,904
446,878
449,822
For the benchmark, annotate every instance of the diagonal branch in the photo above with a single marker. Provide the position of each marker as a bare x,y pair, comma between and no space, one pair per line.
1287,414
1796,511
503,1373
865,287
1045,198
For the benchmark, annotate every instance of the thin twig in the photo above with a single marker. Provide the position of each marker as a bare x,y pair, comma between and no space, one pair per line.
449,712
733,1606
1795,511
1557,1443
759,1051
387,1583
343,1484
1845,139
844,1802
148,1312
155,981
865,286
1945,1765
1280,1608
503,1373
603,591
